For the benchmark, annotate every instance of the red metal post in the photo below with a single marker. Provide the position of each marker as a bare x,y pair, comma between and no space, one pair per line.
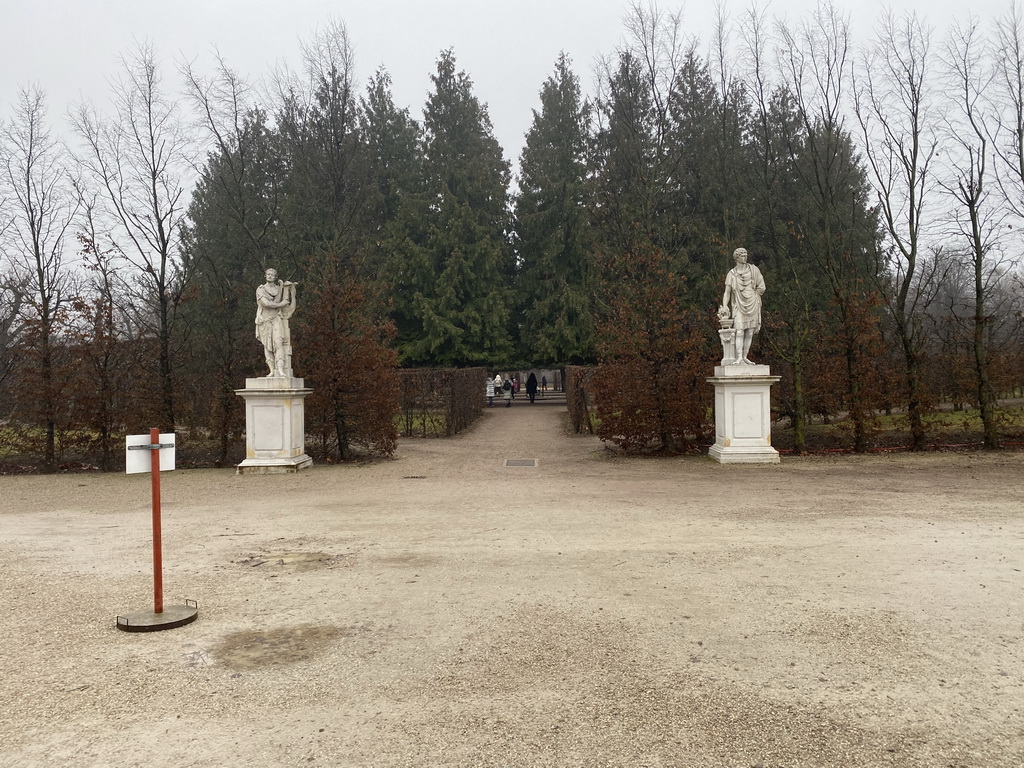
158,568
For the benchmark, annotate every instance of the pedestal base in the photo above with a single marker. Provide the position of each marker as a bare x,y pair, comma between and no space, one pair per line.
273,466
743,433
725,454
275,426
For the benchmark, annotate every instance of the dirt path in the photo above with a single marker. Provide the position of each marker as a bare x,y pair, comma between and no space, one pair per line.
444,609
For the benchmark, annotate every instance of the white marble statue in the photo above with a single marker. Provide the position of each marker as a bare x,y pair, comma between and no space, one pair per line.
742,299
275,304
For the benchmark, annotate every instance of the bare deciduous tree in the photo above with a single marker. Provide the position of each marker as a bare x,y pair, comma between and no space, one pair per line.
1008,91
835,223
141,159
43,207
231,121
792,337
12,295
977,217
107,356
894,106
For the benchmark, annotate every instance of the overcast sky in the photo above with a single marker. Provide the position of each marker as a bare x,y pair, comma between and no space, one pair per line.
507,47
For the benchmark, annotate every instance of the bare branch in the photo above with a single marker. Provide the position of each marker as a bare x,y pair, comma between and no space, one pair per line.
143,160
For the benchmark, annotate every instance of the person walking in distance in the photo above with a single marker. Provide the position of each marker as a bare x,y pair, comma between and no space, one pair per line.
531,386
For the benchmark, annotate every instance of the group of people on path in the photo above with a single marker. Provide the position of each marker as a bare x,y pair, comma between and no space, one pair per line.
507,388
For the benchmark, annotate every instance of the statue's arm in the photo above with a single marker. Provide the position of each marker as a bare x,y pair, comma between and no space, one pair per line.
264,300
728,290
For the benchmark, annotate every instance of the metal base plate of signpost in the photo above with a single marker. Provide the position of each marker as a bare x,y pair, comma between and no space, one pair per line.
149,621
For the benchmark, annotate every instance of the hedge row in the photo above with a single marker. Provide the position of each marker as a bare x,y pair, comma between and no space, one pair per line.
578,397
440,402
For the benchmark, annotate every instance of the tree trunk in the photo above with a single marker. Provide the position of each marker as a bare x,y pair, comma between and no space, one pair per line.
341,430
109,408
49,406
50,454
857,415
106,454
166,382
226,401
986,399
918,436
799,407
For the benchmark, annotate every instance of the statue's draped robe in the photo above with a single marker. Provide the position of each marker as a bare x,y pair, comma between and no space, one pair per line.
746,287
272,322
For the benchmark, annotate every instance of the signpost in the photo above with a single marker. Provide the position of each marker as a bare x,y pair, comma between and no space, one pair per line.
161,458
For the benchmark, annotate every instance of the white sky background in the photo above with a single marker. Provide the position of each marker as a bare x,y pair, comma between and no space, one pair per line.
70,48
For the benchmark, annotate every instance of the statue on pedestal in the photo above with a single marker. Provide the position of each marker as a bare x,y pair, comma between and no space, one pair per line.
275,304
744,286
743,409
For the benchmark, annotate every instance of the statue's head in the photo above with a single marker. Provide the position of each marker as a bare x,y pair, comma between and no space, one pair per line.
271,275
740,255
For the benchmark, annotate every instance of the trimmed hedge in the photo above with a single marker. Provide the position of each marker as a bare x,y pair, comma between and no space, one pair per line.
439,402
578,397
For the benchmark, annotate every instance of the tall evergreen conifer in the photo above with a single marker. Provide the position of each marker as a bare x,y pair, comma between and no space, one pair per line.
554,283
451,261
393,142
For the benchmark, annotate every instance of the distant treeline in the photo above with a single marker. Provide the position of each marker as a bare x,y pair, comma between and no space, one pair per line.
877,187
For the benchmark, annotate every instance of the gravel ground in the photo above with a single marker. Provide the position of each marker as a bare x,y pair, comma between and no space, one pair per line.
444,609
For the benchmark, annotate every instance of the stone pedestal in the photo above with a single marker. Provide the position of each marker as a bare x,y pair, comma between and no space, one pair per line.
728,336
275,425
743,429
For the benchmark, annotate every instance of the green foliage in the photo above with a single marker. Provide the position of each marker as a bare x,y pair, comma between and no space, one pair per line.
711,205
227,244
393,141
451,263
554,283
328,200
408,250
628,161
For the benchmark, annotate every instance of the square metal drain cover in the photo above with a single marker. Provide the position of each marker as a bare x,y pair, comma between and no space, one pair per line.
520,462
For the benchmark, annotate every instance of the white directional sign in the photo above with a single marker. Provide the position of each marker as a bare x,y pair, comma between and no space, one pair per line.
139,460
